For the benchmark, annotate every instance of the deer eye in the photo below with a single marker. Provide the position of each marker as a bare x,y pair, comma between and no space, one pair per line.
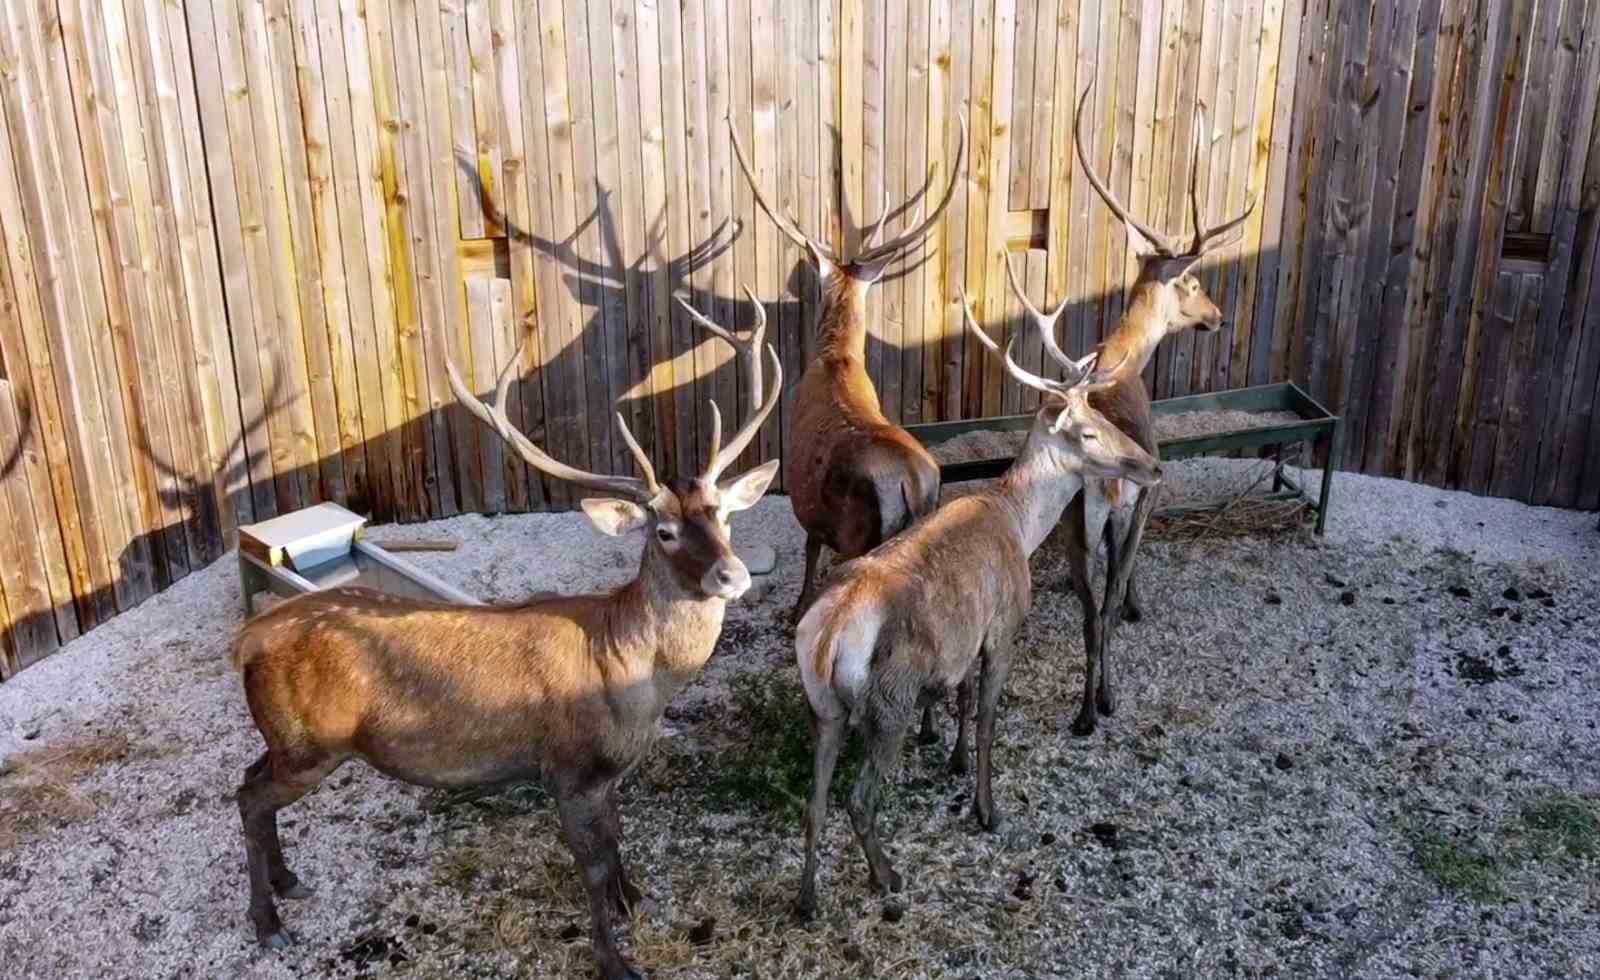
666,535
1089,435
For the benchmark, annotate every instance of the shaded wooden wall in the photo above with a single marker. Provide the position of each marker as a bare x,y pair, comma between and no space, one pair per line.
240,237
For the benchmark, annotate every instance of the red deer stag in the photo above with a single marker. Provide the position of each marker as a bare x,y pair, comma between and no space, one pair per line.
854,478
569,688
1165,299
937,604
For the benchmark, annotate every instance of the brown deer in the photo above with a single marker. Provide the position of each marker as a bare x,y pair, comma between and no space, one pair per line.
939,603
1165,299
854,478
569,688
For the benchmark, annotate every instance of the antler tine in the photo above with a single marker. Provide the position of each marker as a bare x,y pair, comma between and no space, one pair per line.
883,219
1160,242
1209,239
1022,375
494,416
1046,322
725,455
1194,177
790,229
918,234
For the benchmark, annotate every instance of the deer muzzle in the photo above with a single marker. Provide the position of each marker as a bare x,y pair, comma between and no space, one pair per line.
727,579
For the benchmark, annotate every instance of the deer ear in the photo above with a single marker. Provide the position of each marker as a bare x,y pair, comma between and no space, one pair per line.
742,493
614,517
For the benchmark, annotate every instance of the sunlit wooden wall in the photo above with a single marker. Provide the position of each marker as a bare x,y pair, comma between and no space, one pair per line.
241,237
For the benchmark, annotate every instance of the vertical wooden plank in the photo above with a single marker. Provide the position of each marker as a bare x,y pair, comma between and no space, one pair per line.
1024,95
664,237
1497,140
486,153
480,316
123,273
1279,144
892,153
196,401
461,65
1575,203
38,457
131,578
981,387
598,146
914,170
701,132
38,181
320,235
385,204
1231,201
1517,398
525,487
301,321
455,339
939,343
729,197
852,124
552,139
24,577
1173,358
265,405
766,147
1487,410
791,277
1259,164
361,383
1188,348
1066,188
673,272
214,358
995,253
1549,55
424,216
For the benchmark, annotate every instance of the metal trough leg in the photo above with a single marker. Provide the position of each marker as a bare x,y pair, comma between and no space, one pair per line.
1335,449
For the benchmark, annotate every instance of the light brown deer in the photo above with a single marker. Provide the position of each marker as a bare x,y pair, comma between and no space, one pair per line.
1165,298
939,603
570,689
854,478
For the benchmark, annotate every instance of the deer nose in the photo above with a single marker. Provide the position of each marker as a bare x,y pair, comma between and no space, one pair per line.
727,578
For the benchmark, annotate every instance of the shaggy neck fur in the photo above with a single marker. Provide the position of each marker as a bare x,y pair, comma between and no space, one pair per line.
1038,486
842,333
655,623
1139,332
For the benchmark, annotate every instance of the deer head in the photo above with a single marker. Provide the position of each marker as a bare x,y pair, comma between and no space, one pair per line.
685,520
867,265
1166,264
1077,435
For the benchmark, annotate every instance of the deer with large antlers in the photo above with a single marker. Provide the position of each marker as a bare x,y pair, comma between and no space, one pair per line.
936,607
570,689
854,478
1166,298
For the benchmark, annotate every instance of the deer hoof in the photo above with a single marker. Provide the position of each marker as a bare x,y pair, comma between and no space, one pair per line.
991,821
278,940
1084,723
1106,702
805,907
929,736
1131,613
890,883
296,891
958,763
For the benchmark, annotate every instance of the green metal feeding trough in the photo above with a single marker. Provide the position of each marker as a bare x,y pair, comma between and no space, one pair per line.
1315,424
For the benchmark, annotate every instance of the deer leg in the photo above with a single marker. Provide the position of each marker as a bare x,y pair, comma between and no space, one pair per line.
884,736
829,736
1083,585
626,895
996,663
1123,537
958,755
585,824
1132,608
262,794
929,733
808,578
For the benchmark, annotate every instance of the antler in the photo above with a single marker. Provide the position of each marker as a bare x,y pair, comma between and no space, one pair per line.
883,253
1205,239
1079,370
920,232
720,456
750,348
494,416
789,227
1045,323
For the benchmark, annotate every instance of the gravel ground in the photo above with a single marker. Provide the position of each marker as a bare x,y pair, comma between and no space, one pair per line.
1368,756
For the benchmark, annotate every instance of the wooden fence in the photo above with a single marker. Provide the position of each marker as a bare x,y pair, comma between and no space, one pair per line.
240,237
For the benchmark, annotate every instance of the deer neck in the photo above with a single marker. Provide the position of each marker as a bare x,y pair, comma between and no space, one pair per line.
1138,333
1037,488
662,628
842,333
